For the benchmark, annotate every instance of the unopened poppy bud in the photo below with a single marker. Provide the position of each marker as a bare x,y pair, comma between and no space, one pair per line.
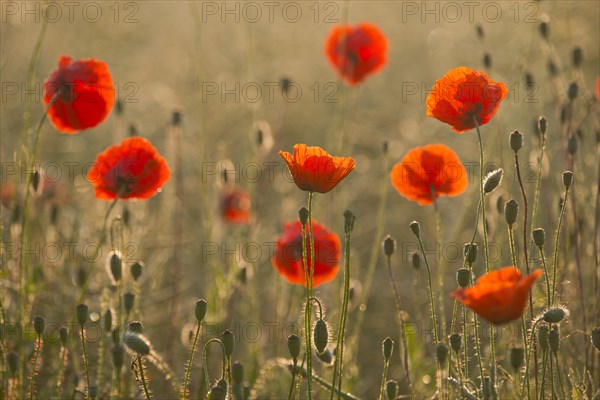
596,337
135,327
108,320
572,145
294,346
441,353
136,270
228,342
349,219
38,325
176,118
35,180
542,125
516,141
511,211
320,335
544,27
137,343
217,393
81,312
415,228
115,266
64,336
303,214
93,391
516,358
479,30
128,299
572,91
116,336
455,342
222,383
119,107
13,362
567,178
470,252
542,336
577,57
237,373
492,180
325,357
554,339
539,237
554,315
385,147
416,260
388,347
463,277
389,245
285,84
487,60
391,389
200,310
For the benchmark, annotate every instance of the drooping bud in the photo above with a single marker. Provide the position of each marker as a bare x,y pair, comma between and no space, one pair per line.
38,325
542,336
463,277
516,358
470,252
294,346
416,260
554,339
441,353
228,342
391,389
320,336
303,215
516,141
81,312
567,178
455,342
128,300
387,347
539,237
326,357
349,219
554,315
136,270
511,211
389,245
415,228
200,310
492,180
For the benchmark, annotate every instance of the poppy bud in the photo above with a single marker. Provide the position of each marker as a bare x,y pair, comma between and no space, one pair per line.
325,357
596,337
81,311
511,211
542,125
13,362
544,27
108,320
222,383
93,391
455,342
552,68
554,315
200,310
539,237
492,180
285,84
294,346
470,252
391,389
572,91
516,358
529,82
415,228
119,107
567,178
320,336
516,141
441,353
487,60
385,146
577,57
572,145
136,270
542,336
135,327
228,342
463,277
237,373
128,299
388,347
38,325
479,30
176,118
349,219
217,393
64,336
303,214
115,266
554,339
137,343
416,260
35,180
389,246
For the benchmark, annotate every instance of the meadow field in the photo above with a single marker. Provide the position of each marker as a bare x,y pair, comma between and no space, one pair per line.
188,188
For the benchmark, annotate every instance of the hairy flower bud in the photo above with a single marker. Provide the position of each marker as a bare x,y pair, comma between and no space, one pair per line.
200,310
320,335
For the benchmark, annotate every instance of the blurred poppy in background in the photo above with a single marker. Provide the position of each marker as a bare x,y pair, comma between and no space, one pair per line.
427,172
288,254
235,206
500,295
356,52
315,170
462,95
84,93
131,170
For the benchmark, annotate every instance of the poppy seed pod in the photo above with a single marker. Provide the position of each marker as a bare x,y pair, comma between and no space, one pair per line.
492,180
136,270
572,91
64,336
137,343
303,215
389,246
320,336
577,57
200,310
294,346
415,228
115,266
572,145
596,337
107,320
81,312
516,141
511,211
128,299
35,180
455,342
554,315
554,339
542,336
539,237
567,178
391,389
228,342
441,353
387,347
516,358
542,125
463,277
13,362
237,373
217,393
470,252
416,260
38,325
349,219
544,27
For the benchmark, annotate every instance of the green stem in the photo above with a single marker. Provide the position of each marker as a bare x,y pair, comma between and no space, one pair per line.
291,392
556,243
482,198
308,308
143,378
538,185
431,299
190,362
386,365
549,298
205,362
34,367
85,364
527,357
544,359
560,380
439,253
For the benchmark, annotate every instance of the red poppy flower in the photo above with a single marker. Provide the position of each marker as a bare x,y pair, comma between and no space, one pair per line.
357,51
315,170
500,295
235,206
463,94
131,170
85,96
427,171
288,254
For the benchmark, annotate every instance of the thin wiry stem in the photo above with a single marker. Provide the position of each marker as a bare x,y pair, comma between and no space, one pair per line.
143,377
190,362
36,355
556,243
85,364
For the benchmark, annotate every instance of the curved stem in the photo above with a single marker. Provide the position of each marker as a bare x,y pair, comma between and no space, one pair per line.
431,299
205,363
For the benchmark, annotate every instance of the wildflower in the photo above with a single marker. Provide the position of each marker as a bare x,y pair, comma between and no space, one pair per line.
498,296
315,170
462,95
133,169
81,92
235,206
427,172
356,52
288,254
